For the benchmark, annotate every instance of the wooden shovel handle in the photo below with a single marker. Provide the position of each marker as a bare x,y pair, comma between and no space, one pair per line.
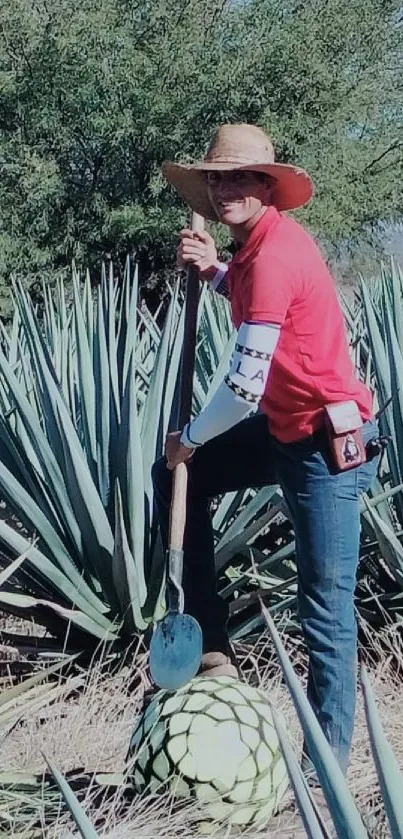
189,334
178,507
179,489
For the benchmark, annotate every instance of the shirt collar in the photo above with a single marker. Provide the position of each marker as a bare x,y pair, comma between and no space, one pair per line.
263,227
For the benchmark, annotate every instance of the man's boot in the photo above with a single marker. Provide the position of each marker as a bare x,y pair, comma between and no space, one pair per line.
218,664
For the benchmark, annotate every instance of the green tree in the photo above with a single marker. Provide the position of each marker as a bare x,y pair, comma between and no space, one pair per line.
94,95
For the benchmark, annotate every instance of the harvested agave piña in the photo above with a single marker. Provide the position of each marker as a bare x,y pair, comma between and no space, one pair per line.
214,740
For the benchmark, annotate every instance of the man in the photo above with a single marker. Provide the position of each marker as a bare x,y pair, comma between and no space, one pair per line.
292,360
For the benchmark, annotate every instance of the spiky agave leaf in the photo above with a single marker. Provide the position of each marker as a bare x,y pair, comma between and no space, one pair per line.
312,820
346,818
342,809
389,774
81,819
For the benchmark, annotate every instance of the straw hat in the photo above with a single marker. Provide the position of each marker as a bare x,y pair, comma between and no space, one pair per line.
240,146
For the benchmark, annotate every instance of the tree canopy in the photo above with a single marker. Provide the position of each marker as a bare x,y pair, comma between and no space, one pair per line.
95,94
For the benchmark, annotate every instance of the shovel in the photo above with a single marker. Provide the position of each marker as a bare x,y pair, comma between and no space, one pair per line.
176,644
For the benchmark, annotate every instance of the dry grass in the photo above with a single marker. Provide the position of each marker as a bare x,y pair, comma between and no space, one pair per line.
91,728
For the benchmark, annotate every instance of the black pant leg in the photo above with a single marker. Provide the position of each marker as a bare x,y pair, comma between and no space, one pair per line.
238,459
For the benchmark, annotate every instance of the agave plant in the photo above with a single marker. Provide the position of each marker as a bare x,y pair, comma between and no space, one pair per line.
88,390
376,326
77,444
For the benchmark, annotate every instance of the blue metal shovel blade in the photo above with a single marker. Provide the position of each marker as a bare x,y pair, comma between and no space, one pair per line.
175,651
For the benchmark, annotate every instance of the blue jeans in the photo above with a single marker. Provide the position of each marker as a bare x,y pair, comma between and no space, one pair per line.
324,509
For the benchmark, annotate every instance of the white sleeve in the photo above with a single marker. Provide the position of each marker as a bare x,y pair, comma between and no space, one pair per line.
243,387
219,282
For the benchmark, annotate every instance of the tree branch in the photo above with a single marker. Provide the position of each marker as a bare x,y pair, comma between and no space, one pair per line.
397,145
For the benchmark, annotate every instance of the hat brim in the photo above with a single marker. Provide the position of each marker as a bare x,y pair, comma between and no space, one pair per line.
294,187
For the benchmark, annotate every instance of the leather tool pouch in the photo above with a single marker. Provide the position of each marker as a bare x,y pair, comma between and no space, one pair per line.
343,425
